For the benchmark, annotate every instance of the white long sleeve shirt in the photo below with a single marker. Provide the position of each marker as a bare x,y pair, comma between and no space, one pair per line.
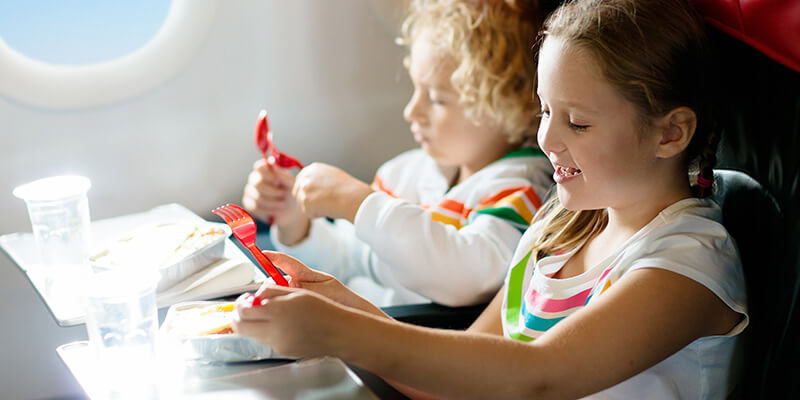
415,241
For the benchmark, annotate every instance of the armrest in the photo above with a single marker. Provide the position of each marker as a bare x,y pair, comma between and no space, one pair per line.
435,315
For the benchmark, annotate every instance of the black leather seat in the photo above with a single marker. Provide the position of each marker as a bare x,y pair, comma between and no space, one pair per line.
750,215
758,103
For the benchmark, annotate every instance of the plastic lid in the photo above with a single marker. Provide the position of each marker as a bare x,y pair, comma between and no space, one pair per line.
53,188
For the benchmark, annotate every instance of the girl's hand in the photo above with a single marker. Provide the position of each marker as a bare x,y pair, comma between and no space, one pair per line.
295,322
326,191
268,196
303,277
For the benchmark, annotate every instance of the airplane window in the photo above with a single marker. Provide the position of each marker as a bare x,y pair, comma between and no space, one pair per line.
84,53
79,32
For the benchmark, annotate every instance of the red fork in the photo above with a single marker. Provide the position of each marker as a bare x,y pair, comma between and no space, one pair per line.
244,228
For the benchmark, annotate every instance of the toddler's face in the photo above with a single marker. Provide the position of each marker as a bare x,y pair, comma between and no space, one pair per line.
438,119
590,134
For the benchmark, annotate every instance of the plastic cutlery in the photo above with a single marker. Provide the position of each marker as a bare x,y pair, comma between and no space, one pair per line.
244,229
273,156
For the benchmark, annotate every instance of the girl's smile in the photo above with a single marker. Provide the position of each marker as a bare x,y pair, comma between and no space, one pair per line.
563,174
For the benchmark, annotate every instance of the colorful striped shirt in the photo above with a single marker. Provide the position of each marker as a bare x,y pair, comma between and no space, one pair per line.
514,204
685,238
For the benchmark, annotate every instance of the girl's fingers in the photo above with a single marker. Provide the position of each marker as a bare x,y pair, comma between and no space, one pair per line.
248,311
243,298
292,266
269,292
253,329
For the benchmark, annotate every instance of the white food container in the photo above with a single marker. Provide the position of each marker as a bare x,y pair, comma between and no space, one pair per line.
184,323
176,249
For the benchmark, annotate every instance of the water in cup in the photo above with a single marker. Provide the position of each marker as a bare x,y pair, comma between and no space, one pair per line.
122,323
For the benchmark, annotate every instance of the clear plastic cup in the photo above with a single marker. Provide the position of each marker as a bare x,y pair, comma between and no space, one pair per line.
122,323
59,213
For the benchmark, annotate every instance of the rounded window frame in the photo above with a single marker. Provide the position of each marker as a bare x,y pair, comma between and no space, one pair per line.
64,87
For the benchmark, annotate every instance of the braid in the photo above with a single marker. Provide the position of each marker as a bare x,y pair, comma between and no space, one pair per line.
705,166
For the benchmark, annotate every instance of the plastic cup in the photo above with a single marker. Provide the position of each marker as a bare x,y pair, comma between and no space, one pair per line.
122,323
59,212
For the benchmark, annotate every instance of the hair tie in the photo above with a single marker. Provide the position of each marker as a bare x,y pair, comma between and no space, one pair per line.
704,182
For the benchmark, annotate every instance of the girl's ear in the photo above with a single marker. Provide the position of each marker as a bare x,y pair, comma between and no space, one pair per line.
676,129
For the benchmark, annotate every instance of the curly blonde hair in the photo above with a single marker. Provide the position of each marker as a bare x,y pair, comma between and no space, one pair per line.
492,43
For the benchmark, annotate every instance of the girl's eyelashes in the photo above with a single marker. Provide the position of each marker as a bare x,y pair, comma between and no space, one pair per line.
545,113
578,128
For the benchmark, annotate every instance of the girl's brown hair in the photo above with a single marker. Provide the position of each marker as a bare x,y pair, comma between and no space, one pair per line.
653,53
492,42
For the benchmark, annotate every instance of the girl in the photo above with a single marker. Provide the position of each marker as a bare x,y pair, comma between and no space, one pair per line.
625,286
438,223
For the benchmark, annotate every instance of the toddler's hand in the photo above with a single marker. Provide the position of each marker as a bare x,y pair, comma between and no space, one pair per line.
326,191
268,195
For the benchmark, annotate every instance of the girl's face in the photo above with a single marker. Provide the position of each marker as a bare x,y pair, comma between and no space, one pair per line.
601,156
439,121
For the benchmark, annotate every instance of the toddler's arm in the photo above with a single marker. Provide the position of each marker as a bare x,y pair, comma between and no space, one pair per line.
454,267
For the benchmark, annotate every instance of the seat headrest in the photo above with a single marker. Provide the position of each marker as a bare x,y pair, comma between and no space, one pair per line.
771,26
734,186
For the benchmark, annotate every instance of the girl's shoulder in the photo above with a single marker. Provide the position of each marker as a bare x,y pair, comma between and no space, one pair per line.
691,218
689,239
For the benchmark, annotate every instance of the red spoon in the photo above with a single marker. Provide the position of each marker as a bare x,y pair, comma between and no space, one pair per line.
273,156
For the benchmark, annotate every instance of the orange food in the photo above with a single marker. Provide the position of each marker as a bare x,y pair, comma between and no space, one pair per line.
200,320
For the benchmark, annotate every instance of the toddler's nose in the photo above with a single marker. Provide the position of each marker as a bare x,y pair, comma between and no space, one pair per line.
413,112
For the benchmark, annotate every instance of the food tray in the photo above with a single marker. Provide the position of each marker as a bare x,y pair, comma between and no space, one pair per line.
181,333
177,249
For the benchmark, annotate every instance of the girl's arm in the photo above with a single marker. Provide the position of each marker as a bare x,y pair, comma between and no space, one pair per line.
323,284
620,334
626,331
489,321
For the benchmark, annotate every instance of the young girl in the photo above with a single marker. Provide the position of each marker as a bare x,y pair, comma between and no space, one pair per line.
438,223
626,285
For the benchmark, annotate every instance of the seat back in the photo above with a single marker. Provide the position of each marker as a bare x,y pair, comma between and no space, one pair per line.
758,108
750,214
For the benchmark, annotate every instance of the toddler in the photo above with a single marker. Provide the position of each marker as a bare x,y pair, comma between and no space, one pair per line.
441,222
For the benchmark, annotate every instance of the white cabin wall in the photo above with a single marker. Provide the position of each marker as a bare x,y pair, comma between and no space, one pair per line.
328,73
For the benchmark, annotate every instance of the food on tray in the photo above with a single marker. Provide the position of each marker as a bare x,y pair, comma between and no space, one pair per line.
201,331
200,320
159,245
